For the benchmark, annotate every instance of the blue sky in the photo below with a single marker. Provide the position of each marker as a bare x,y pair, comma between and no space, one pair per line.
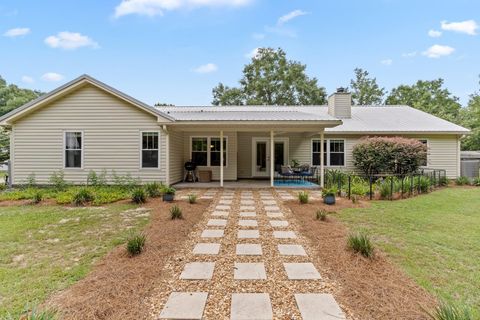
176,51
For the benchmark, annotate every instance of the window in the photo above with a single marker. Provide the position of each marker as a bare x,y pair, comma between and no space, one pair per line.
215,152
200,151
206,151
73,149
334,152
149,149
425,142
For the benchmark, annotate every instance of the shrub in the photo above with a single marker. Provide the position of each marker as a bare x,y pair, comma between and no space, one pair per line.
153,189
139,196
126,181
462,181
303,197
321,214
329,192
82,196
192,198
95,179
2,186
334,177
443,181
451,312
359,189
31,181
361,243
57,179
384,188
176,212
476,182
135,244
422,183
37,197
373,155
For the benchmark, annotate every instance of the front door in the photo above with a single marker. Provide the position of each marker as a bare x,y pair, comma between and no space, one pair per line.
261,155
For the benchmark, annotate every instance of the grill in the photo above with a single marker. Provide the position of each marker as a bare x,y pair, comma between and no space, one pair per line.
190,168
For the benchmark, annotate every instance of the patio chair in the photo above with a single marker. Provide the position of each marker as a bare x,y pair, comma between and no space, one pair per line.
309,173
286,171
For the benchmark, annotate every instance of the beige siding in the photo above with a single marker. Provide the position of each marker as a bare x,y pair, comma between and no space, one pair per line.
176,156
230,171
111,132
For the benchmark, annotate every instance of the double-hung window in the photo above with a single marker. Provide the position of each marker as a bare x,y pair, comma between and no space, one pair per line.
205,151
334,152
215,152
149,149
73,149
200,151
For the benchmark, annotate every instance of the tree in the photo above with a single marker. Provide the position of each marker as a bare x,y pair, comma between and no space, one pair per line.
11,97
428,96
365,90
470,116
271,79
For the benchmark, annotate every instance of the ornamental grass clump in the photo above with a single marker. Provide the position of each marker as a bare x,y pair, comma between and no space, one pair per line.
37,197
303,197
139,196
462,181
176,212
321,214
361,243
192,198
153,189
446,311
82,196
136,243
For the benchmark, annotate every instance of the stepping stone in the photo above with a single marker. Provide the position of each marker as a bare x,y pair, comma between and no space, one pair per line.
220,213
301,271
251,306
315,306
198,271
206,248
217,222
279,223
225,202
269,202
206,197
272,208
246,197
284,234
247,202
184,305
274,214
248,234
248,223
249,249
208,233
291,250
249,271
247,214
222,207
247,208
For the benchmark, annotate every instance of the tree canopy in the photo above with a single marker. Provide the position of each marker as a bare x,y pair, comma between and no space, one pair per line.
365,90
470,117
428,96
271,79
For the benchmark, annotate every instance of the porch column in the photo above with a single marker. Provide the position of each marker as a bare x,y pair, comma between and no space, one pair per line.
221,158
167,156
272,158
322,164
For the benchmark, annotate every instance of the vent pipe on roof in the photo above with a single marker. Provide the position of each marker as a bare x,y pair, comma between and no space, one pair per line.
340,104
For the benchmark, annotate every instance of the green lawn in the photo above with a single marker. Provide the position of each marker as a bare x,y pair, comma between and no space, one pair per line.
47,248
435,238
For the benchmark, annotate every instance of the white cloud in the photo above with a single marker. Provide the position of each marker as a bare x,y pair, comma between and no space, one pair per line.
434,33
157,7
70,41
409,54
468,26
206,68
52,77
387,62
437,51
16,32
252,54
258,36
291,15
28,79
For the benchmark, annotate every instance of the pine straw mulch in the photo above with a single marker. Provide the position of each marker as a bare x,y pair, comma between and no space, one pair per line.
118,285
372,289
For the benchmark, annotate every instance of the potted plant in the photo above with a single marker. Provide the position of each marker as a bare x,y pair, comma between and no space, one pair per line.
328,195
168,193
295,163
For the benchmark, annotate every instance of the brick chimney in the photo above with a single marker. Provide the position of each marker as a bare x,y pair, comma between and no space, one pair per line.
340,104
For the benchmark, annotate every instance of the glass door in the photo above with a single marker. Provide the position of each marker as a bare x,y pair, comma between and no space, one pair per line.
261,158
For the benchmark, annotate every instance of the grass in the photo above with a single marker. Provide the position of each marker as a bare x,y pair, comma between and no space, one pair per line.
434,238
47,248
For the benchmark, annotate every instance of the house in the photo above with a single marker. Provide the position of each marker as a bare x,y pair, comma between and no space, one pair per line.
87,125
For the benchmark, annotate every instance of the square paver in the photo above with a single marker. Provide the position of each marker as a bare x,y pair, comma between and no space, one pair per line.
247,208
249,249
248,234
247,202
284,234
315,306
247,214
184,305
269,202
274,214
272,208
251,306
220,213
198,271
279,223
291,250
248,223
222,208
217,222
206,248
208,233
225,202
249,271
301,271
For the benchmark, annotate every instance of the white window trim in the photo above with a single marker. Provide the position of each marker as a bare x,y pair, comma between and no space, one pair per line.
428,150
65,146
141,150
209,149
327,163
